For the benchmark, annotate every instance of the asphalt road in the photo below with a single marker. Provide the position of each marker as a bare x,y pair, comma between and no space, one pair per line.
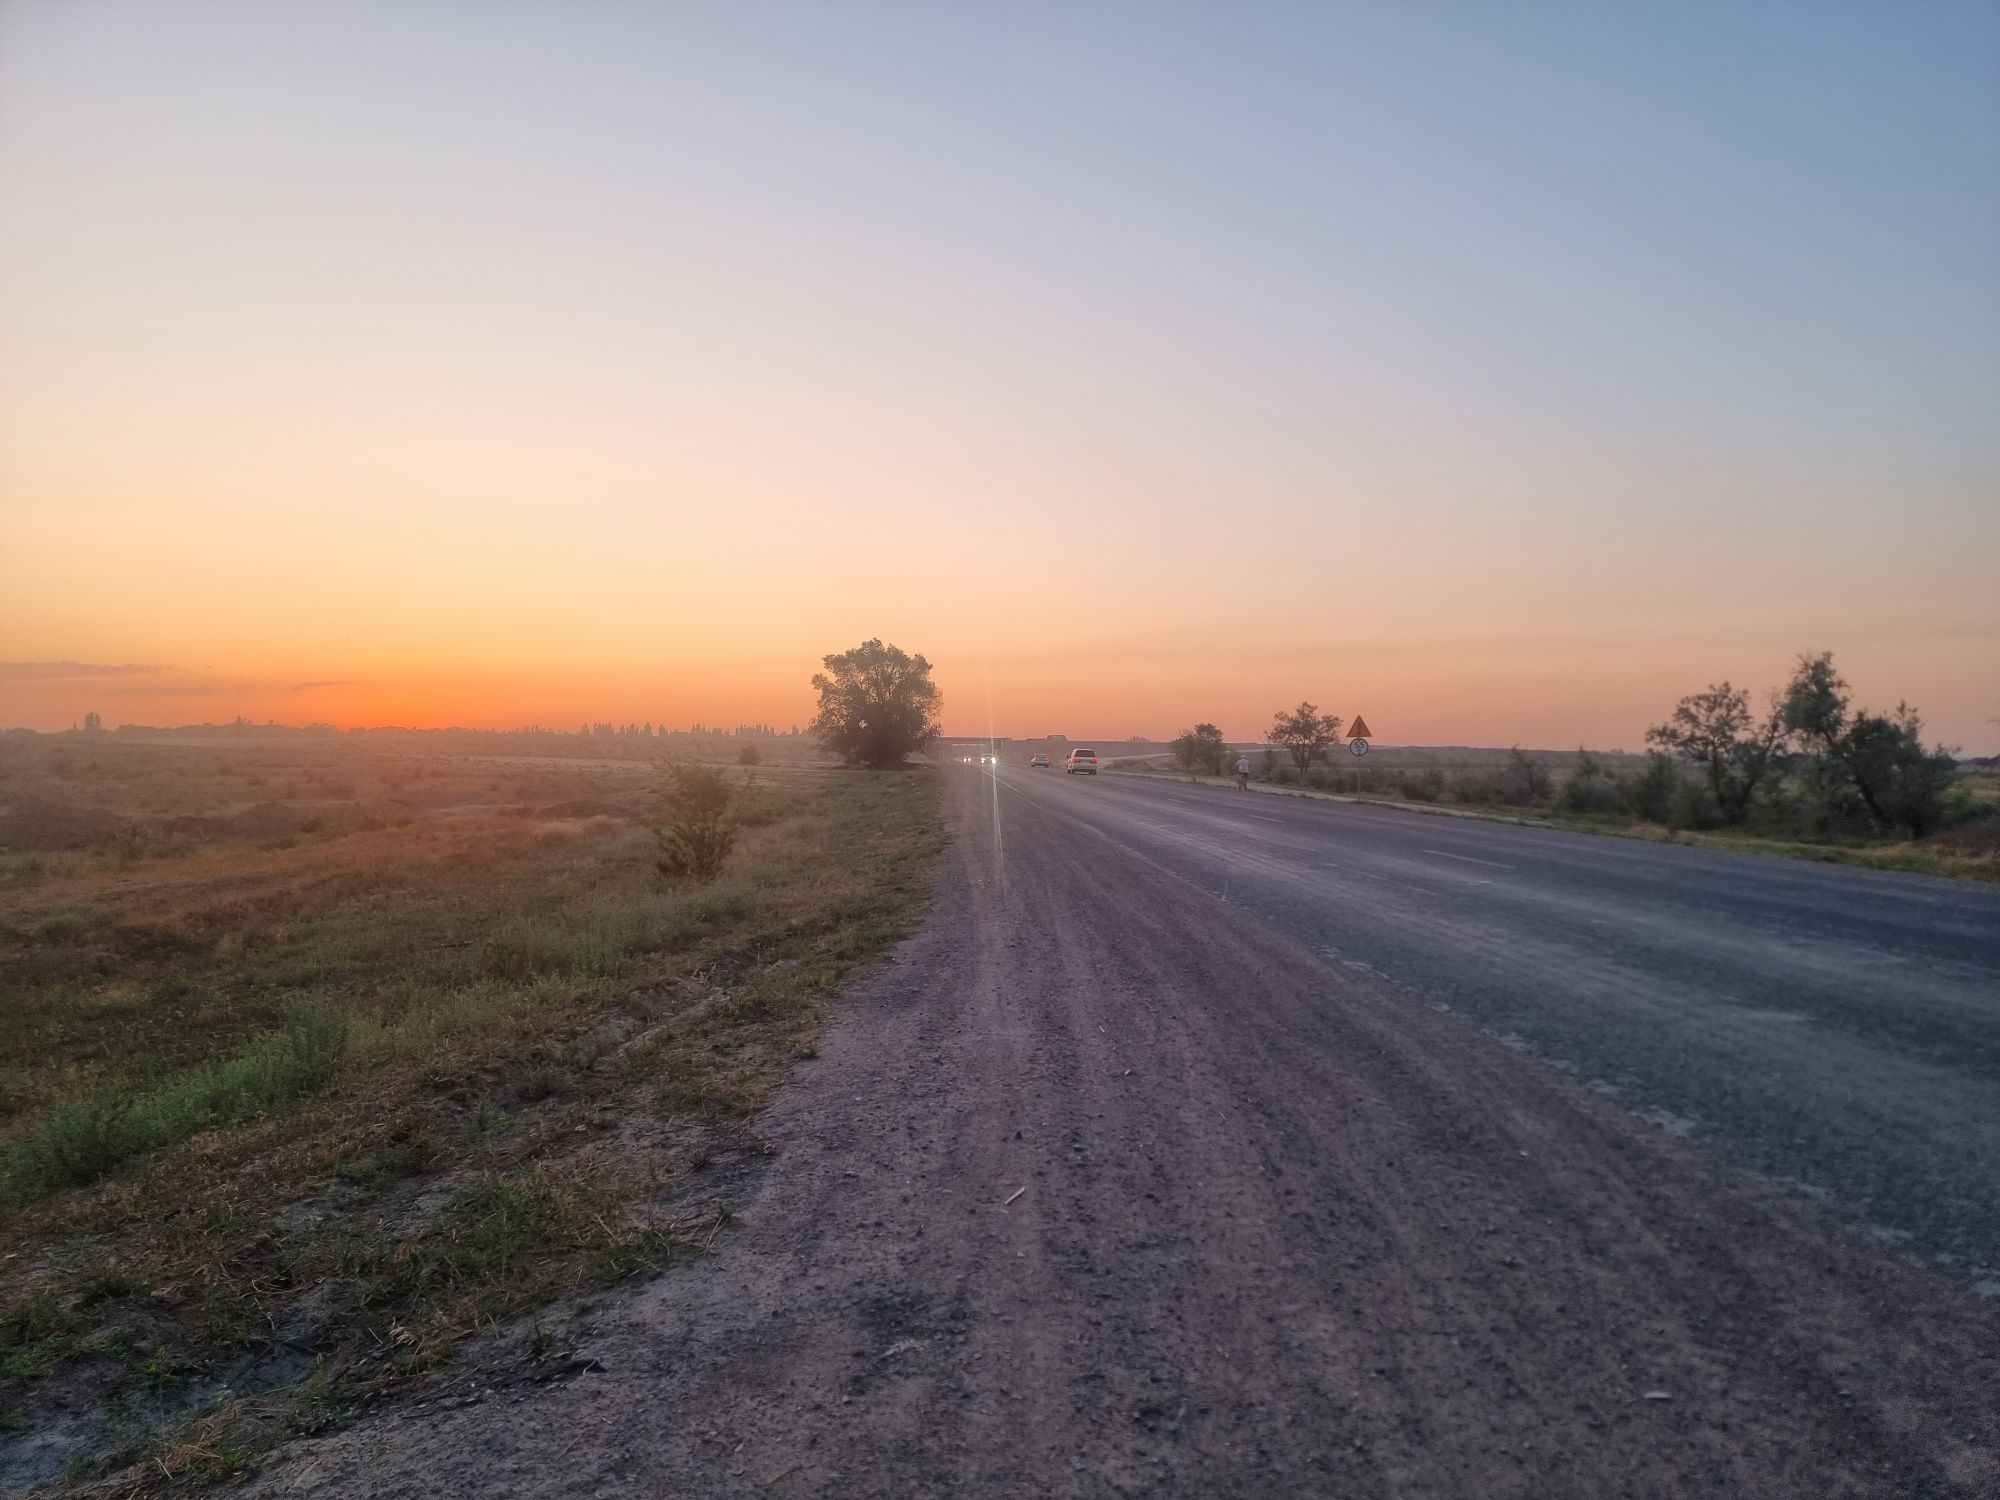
1150,1167
1835,1030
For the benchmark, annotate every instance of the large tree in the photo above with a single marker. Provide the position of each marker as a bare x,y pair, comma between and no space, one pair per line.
1305,733
877,704
1717,731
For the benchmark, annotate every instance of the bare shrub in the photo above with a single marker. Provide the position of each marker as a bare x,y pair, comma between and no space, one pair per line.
1527,779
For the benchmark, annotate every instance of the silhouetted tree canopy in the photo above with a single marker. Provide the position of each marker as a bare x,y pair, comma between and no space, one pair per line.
1717,731
1879,759
877,704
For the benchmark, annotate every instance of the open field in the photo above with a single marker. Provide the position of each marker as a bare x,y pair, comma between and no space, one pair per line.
319,1054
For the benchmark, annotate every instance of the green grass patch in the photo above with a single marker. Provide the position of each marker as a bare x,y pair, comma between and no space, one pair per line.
87,1137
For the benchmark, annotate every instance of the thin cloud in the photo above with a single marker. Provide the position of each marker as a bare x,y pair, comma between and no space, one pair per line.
53,671
311,687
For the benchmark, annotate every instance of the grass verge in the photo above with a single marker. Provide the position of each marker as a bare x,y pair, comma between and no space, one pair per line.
1971,853
341,1105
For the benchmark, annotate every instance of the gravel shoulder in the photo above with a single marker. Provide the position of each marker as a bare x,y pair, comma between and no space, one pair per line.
1105,1185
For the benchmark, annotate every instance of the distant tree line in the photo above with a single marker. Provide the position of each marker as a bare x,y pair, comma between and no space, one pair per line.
1809,763
647,731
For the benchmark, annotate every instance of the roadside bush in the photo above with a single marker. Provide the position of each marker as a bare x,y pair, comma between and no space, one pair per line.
1598,796
1478,788
1421,786
749,755
1527,780
1321,779
1651,793
1694,806
1591,788
1788,802
696,844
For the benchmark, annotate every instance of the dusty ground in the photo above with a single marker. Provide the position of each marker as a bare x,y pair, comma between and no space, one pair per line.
1107,1186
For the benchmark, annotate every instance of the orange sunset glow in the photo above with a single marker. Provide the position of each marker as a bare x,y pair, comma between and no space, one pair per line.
621,373
1228,748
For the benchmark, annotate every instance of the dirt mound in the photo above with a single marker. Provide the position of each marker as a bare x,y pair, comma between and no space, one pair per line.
42,829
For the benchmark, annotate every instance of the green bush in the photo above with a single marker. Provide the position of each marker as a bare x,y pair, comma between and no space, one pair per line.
1653,792
1478,789
1421,786
1592,789
1695,807
696,844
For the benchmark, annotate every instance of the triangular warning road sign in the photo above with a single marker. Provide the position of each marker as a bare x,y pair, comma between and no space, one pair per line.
1358,730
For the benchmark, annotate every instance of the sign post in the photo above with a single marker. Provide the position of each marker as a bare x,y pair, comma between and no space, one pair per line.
1357,746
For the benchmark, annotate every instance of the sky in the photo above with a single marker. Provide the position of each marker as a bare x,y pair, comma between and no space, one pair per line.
1499,372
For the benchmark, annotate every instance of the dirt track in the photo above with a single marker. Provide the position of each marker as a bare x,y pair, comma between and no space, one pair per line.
1283,1232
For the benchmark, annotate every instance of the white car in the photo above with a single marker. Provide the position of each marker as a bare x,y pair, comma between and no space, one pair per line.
1082,762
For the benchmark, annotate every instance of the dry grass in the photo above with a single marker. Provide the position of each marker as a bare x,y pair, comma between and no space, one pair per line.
297,1119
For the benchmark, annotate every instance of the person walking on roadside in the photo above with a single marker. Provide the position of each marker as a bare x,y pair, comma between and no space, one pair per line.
1243,772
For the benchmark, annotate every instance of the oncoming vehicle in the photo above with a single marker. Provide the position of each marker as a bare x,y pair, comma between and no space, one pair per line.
1038,759
1084,761
989,760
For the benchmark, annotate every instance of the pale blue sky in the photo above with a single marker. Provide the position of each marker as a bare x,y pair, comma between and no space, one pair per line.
1666,336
